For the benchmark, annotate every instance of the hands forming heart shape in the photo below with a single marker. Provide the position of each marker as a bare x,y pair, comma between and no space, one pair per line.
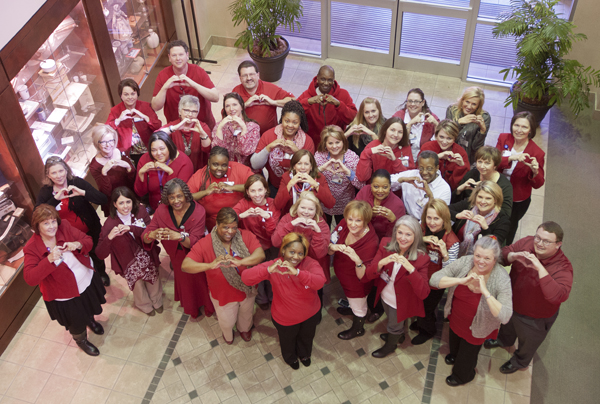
69,192
288,268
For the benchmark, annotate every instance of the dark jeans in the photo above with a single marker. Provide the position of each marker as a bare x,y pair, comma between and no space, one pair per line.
427,324
466,358
518,211
296,340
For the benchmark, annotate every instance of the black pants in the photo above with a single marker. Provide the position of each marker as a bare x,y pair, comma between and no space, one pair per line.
375,308
518,211
272,190
530,331
466,358
296,340
329,219
427,324
99,264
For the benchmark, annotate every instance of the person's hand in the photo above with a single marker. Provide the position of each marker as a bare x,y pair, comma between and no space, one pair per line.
341,168
186,81
328,166
351,253
62,194
310,180
140,114
71,246
149,166
247,213
262,213
330,99
298,177
126,114
457,158
430,240
528,259
223,187
465,214
317,99
175,81
471,118
55,254
164,167
445,155
521,157
353,130
290,145
275,143
288,269
221,260
534,165
185,123
74,191
480,282
265,99
335,247
121,163
429,118
118,231
385,212
480,220
416,119
299,221
388,152
469,184
481,123
312,223
273,267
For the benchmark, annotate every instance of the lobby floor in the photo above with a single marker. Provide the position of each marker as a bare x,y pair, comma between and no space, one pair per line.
169,358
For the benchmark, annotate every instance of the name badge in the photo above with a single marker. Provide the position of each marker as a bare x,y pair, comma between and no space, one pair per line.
506,153
434,256
386,278
137,119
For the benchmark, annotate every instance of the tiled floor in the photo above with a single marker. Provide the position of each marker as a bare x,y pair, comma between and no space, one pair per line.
172,359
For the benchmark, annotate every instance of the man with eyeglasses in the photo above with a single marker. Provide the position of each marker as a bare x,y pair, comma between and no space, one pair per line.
183,78
421,185
260,97
541,277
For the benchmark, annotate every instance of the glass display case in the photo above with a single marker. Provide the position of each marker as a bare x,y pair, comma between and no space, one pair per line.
62,93
137,35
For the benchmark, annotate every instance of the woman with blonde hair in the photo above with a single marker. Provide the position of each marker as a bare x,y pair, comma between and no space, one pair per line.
365,126
338,164
473,121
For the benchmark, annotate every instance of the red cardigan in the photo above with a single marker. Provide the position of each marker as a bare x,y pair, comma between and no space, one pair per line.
56,282
284,200
319,242
295,298
382,226
199,153
522,178
345,268
452,173
450,239
263,229
411,289
428,127
114,178
369,162
124,129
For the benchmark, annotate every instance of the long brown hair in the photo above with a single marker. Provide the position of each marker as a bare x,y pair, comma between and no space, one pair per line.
314,171
405,135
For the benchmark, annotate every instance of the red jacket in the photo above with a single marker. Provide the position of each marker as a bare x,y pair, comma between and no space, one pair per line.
114,178
428,127
263,229
522,178
320,116
199,153
124,129
284,200
319,242
451,172
56,282
382,226
295,298
411,289
369,162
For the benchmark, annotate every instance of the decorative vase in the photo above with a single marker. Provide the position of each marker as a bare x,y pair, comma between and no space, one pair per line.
153,40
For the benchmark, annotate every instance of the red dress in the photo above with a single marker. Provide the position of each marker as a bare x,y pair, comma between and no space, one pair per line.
198,153
284,199
383,227
464,308
451,172
191,290
263,229
115,177
369,162
125,128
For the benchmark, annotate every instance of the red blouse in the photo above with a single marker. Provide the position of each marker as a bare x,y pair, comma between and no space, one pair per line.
199,153
263,229
284,199
451,172
114,178
369,162
464,308
383,227
319,242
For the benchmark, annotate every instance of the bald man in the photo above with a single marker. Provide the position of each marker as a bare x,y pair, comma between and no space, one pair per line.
326,103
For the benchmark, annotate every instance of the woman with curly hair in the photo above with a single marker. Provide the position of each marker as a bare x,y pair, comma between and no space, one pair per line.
365,126
276,146
178,224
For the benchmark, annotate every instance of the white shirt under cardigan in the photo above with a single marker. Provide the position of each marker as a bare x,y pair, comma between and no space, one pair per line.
415,199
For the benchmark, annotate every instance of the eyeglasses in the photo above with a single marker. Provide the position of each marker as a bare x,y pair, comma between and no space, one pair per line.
106,142
427,169
545,243
190,111
413,102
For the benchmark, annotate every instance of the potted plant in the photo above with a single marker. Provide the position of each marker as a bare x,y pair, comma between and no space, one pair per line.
544,76
262,18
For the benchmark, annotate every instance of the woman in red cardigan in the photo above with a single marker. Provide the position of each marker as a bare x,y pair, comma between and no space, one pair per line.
134,121
178,224
420,121
303,176
258,214
522,163
296,309
121,238
391,152
223,256
353,246
56,259
400,270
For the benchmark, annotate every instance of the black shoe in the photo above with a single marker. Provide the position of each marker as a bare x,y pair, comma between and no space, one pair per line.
96,327
452,382
85,345
295,365
344,311
105,279
357,329
371,318
305,362
421,338
450,359
385,337
391,343
491,344
414,326
508,368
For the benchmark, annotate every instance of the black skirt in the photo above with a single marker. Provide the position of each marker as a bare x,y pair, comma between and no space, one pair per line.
77,312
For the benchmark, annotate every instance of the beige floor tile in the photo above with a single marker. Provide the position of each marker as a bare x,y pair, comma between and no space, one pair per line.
36,322
10,400
73,364
8,372
512,398
45,355
210,398
58,390
116,397
134,379
119,342
488,372
357,71
19,348
57,333
131,318
412,399
520,382
488,395
23,387
104,371
163,325
373,89
148,351
176,390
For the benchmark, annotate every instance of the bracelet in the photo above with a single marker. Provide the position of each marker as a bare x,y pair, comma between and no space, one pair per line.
359,265
488,296
203,138
171,128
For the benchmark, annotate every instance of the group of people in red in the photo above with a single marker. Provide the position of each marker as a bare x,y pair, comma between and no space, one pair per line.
404,209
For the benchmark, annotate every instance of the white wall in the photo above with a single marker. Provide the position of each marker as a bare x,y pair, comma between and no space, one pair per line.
14,16
586,20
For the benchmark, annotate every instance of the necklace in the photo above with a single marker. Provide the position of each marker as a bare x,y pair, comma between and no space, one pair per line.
187,146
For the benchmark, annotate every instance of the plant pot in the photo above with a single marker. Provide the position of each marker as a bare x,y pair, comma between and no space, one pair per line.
539,111
271,69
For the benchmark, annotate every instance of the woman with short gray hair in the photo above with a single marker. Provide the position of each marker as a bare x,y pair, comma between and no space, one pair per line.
479,300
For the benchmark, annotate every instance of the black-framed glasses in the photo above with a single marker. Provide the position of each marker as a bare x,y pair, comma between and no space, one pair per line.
545,243
413,102
106,142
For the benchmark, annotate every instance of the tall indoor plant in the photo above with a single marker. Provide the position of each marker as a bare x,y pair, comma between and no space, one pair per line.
262,18
544,76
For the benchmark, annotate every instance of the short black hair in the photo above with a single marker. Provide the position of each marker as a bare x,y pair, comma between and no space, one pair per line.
245,64
297,108
160,135
382,173
128,83
177,42
428,154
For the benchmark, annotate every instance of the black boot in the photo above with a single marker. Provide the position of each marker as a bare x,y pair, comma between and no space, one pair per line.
390,346
357,329
96,327
85,345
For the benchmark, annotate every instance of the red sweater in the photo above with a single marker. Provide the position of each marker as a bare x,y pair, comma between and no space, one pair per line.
262,112
124,129
436,259
369,162
56,282
522,178
181,166
263,229
220,289
319,242
284,200
535,297
199,154
428,127
345,268
319,116
451,172
115,177
383,227
411,289
295,298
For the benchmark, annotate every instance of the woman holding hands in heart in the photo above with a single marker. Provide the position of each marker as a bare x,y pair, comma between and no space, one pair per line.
296,309
121,238
73,197
522,163
303,176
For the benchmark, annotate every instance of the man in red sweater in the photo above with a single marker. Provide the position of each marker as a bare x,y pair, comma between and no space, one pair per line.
541,277
326,103
261,98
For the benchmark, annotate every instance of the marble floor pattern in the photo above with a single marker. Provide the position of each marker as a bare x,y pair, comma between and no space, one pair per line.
169,358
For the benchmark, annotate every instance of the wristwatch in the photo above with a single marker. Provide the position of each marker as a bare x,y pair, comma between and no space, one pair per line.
184,235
